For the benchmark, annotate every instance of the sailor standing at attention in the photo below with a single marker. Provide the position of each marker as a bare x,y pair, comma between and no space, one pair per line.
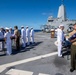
23,36
12,34
7,37
32,35
60,39
27,35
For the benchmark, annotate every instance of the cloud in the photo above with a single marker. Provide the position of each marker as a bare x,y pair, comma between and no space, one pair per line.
44,13
47,14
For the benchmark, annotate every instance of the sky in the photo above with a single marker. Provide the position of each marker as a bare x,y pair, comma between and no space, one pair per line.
32,13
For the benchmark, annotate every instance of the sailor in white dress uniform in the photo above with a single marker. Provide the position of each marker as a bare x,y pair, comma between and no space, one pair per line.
7,37
23,36
27,35
60,39
32,35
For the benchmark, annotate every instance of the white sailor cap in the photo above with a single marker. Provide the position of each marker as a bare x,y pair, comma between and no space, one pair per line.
61,25
7,28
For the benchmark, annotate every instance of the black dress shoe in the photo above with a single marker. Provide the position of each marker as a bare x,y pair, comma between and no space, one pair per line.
71,70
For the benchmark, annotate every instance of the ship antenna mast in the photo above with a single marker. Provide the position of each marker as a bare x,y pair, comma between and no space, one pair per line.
62,1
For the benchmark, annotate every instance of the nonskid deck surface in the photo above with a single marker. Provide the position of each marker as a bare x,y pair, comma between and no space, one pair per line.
38,59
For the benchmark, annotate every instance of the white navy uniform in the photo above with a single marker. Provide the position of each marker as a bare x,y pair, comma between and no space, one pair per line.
23,37
32,35
60,39
27,36
8,42
12,34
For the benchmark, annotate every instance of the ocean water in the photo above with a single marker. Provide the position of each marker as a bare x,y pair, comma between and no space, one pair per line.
37,30
34,31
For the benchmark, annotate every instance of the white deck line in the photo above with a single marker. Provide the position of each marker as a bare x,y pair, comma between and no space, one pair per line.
18,72
4,66
42,74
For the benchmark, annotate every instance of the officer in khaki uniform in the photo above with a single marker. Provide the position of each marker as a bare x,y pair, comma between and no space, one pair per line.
17,38
73,49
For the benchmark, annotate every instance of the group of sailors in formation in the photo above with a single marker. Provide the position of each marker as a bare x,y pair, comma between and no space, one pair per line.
7,34
27,36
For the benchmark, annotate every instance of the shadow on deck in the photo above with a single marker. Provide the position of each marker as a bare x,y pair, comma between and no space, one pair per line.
14,51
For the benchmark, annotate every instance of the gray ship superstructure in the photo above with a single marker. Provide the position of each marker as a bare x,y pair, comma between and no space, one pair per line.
53,23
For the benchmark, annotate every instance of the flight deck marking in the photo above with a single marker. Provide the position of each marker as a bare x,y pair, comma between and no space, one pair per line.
4,66
21,72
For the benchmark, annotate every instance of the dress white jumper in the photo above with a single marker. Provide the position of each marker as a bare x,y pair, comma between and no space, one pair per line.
32,36
23,37
60,39
8,42
28,36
